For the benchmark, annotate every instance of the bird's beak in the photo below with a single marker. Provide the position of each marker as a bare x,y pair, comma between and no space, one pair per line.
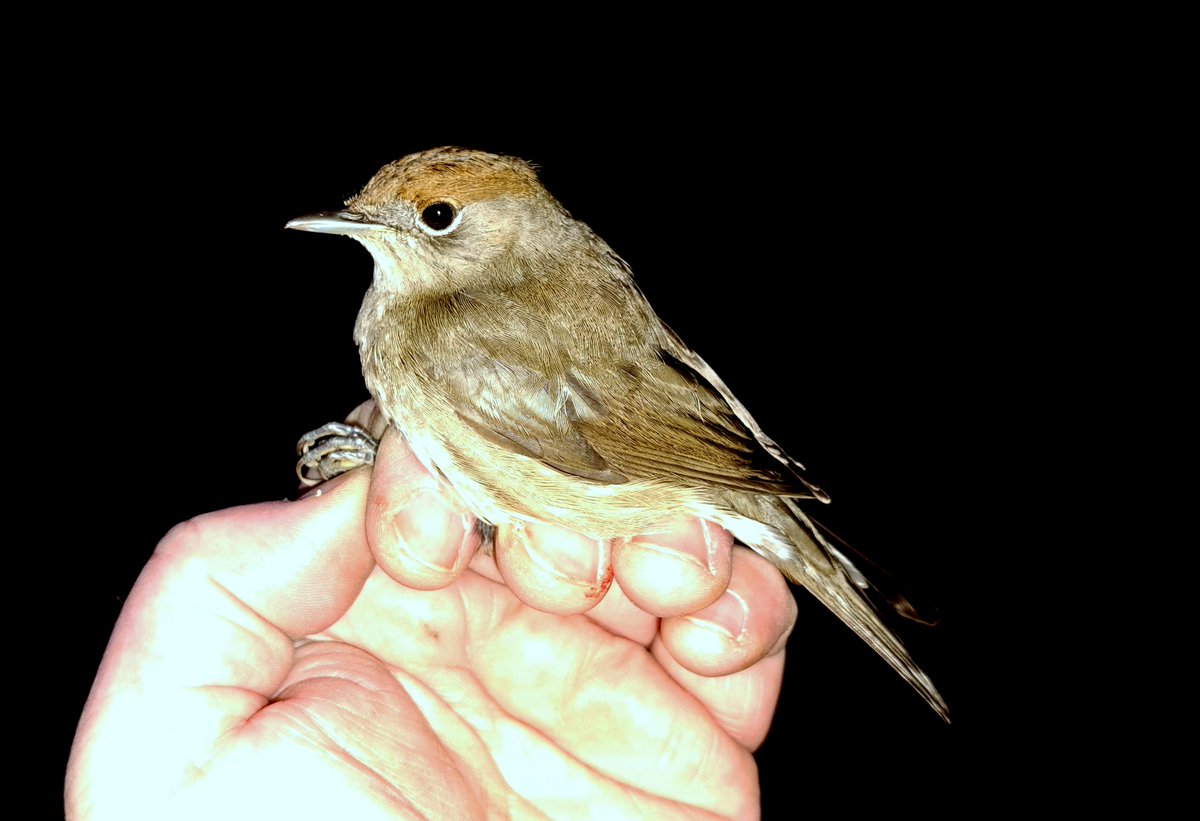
335,222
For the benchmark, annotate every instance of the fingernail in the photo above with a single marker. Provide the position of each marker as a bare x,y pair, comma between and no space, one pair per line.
565,553
684,546
430,531
727,615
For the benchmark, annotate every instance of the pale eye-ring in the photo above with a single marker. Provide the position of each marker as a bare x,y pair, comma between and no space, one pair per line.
438,218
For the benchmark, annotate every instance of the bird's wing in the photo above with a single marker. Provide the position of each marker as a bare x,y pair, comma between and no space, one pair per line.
654,410
679,419
529,410
677,350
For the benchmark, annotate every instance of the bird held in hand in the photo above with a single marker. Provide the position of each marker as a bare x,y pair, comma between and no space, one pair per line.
511,347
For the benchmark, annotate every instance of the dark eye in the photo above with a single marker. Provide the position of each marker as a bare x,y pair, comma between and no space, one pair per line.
438,216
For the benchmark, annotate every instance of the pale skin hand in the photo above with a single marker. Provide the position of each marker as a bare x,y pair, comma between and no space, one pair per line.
460,702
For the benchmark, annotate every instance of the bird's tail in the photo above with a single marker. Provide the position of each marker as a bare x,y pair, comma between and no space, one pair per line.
777,528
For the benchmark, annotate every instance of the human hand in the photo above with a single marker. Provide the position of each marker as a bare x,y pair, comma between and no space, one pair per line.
265,666
424,540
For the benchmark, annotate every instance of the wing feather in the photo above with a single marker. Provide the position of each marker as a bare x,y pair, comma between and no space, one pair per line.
611,407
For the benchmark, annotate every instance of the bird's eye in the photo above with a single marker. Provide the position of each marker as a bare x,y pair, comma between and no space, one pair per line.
439,216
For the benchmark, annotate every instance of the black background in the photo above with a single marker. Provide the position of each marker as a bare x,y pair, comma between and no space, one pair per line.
819,245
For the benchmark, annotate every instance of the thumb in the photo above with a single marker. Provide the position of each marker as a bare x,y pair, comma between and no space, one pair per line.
206,636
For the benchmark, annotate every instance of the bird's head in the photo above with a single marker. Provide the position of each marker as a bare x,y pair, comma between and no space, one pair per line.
441,219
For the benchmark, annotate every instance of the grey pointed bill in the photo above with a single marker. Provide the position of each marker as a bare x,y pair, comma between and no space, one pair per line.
334,222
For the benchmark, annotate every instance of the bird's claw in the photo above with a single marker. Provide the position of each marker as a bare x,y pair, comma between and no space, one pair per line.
331,450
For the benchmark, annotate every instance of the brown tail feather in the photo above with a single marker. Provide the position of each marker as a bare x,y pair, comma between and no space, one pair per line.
798,548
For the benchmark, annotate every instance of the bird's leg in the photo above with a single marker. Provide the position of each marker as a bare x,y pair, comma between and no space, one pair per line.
331,450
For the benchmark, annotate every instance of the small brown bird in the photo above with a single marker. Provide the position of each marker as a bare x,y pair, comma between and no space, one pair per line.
511,347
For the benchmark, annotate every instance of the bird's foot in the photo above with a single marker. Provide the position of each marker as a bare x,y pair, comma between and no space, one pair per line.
331,450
